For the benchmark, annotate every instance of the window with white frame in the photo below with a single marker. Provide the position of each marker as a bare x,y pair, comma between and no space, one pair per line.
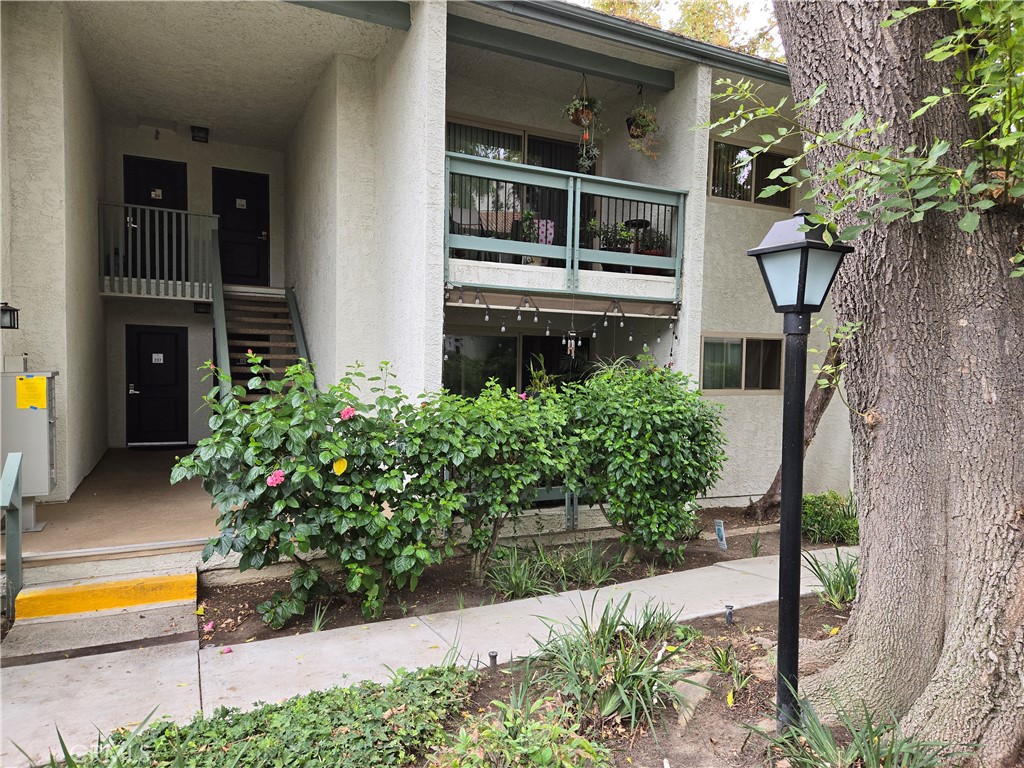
741,363
731,180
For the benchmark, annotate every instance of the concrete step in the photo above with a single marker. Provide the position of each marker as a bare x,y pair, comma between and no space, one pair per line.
261,343
90,595
31,641
259,320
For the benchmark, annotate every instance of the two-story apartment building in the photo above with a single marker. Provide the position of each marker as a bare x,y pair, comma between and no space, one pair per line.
366,181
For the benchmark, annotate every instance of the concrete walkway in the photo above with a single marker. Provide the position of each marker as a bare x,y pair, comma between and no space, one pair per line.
98,693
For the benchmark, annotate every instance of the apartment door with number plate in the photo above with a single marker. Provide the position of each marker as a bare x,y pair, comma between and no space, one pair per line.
156,364
242,201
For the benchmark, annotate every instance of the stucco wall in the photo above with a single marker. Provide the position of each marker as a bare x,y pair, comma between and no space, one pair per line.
123,140
5,167
84,374
410,86
33,80
736,302
312,200
128,311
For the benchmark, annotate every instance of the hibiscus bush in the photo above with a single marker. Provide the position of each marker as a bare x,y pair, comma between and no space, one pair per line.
356,472
646,445
509,446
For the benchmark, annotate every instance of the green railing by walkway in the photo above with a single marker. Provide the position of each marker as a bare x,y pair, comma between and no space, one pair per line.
220,322
10,503
580,225
156,252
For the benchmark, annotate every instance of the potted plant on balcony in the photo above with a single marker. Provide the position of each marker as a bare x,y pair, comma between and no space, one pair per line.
641,127
653,243
616,237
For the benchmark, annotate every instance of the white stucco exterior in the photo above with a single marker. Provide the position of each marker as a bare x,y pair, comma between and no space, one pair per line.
347,118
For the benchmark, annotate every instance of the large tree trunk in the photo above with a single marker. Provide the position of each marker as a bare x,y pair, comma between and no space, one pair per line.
937,632
770,505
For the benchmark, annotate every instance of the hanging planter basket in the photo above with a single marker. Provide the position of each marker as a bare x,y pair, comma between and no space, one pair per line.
641,126
582,116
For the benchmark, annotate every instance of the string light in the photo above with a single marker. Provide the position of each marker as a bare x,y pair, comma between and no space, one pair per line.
594,334
606,321
519,316
622,323
486,317
502,326
460,295
547,331
536,316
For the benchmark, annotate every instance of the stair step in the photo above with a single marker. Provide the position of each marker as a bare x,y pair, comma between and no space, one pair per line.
237,295
247,374
262,343
259,308
243,364
260,319
238,329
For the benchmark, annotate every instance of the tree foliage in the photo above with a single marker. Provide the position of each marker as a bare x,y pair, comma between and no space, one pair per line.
881,183
724,23
643,11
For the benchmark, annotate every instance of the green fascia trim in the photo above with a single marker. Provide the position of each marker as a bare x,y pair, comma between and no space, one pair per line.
387,13
523,46
561,14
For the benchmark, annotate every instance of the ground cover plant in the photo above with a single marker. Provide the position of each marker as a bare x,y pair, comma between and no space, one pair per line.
367,725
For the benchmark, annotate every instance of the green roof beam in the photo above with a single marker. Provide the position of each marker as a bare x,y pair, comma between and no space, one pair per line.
386,13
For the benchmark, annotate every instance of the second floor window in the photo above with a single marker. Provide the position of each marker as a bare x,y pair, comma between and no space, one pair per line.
747,181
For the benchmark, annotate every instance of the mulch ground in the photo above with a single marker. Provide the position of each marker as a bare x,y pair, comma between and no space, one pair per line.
229,613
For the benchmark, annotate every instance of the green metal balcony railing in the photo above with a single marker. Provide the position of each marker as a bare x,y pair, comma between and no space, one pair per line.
156,252
579,225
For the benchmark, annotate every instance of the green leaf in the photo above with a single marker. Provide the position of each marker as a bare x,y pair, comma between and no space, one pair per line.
969,221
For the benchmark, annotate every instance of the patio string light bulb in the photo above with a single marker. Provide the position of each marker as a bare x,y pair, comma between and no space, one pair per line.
798,267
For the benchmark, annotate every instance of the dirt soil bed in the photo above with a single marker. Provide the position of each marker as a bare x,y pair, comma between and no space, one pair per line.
228,612
716,736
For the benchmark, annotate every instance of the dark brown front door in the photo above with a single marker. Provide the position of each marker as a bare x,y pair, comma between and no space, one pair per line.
242,200
154,240
156,362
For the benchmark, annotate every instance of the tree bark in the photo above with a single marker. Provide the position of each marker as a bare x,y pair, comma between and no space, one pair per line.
768,506
937,632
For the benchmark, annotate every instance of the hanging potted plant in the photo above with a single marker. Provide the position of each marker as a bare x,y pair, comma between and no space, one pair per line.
641,126
584,108
582,111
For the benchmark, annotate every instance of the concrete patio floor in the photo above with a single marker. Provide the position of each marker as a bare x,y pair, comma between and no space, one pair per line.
127,504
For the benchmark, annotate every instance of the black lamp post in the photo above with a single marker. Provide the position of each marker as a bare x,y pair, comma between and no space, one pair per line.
798,268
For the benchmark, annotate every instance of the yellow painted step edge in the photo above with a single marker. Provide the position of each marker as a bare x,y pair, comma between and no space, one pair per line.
99,596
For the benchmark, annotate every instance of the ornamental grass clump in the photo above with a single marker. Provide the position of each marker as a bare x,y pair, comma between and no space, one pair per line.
300,471
646,444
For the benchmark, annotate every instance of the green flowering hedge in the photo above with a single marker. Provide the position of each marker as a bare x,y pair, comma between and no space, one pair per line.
381,484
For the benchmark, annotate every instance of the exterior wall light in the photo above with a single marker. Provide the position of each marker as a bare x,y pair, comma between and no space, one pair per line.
8,317
798,269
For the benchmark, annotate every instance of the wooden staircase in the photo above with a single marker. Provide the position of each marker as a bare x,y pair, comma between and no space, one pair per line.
260,322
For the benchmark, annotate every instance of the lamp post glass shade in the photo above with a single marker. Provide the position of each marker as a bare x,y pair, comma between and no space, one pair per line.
798,267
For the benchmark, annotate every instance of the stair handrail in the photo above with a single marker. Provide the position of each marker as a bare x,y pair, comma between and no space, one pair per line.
10,503
220,329
293,311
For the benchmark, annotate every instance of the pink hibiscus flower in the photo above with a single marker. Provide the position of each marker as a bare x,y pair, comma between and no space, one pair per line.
347,413
275,478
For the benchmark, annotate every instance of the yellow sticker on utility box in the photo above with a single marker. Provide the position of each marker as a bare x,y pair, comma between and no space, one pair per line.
30,392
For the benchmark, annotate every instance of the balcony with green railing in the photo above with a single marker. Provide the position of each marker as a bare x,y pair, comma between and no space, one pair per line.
519,227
